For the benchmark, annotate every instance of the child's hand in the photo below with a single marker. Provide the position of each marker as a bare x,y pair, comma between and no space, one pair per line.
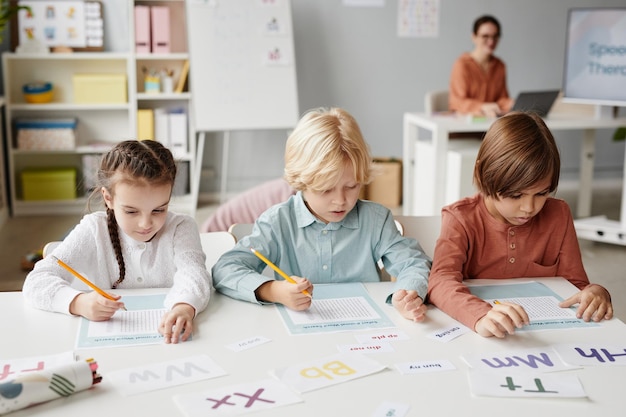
288,294
594,303
501,320
410,305
177,323
94,307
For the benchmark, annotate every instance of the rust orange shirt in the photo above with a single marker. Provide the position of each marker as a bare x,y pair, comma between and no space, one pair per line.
471,86
473,244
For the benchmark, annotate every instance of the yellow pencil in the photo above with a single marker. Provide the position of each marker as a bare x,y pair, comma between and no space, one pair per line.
277,269
86,281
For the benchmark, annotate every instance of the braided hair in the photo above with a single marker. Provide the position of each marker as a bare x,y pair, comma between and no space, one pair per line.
132,162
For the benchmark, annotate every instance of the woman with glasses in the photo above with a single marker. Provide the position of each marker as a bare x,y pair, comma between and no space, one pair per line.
478,79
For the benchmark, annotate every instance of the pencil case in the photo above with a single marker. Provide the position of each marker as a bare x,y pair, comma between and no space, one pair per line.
32,388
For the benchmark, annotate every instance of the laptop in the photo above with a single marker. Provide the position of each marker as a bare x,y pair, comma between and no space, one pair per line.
538,102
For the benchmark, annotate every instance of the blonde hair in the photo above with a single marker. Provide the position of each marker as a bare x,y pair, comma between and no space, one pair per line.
322,142
518,151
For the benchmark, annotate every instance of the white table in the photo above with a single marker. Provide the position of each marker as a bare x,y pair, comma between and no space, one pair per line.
27,332
441,125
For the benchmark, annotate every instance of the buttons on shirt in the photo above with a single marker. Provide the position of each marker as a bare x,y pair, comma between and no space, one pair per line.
324,232
325,267
139,279
512,232
511,260
512,246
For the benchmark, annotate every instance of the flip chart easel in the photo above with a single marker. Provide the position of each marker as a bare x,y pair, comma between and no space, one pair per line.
242,68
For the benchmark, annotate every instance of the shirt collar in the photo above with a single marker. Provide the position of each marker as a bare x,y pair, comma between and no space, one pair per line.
305,218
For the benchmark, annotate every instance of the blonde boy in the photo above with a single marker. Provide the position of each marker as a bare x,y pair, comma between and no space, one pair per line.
325,234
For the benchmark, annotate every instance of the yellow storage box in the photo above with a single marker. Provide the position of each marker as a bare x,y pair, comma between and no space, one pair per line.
100,88
49,184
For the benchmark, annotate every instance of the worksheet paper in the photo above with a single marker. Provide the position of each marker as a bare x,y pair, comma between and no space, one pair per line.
540,308
336,307
541,301
137,326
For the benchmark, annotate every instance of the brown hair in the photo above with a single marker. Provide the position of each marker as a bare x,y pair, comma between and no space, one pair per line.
132,162
485,19
517,152
324,140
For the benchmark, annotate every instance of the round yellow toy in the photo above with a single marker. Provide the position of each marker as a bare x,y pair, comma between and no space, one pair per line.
39,92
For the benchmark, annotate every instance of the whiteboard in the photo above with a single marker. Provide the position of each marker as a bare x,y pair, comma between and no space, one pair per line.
242,64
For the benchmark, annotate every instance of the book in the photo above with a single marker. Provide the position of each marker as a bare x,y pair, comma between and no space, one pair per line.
182,78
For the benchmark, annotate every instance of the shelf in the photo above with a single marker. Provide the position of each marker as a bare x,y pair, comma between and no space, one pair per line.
97,123
175,56
49,207
60,56
68,107
81,150
163,96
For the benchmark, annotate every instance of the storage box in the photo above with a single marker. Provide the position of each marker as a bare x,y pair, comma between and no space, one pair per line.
100,88
49,184
386,188
46,134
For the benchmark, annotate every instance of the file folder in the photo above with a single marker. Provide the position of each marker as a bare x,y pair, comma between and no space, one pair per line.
145,124
142,29
178,133
160,25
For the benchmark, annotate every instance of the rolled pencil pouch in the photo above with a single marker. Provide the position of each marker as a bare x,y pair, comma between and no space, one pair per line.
49,384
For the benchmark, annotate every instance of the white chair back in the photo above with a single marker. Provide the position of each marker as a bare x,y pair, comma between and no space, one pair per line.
49,247
436,101
240,230
425,229
214,244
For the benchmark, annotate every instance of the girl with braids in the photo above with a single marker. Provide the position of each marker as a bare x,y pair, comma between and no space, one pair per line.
135,243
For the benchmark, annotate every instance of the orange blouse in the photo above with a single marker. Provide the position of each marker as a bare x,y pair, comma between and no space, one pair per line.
471,86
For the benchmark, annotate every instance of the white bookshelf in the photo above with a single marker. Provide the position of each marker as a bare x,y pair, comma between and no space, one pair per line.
99,125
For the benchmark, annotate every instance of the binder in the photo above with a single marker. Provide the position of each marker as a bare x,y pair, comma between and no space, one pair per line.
142,29
160,25
178,133
162,126
145,124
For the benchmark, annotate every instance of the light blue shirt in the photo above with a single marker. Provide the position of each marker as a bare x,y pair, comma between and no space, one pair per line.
301,245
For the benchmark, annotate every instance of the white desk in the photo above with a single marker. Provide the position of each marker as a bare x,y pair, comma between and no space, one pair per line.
27,332
440,127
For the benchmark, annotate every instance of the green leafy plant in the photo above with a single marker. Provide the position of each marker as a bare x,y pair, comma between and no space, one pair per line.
7,10
620,134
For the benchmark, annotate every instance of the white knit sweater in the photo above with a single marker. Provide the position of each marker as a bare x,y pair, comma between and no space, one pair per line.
172,259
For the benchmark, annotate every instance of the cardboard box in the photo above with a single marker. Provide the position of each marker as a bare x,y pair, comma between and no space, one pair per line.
386,188
100,88
46,134
49,184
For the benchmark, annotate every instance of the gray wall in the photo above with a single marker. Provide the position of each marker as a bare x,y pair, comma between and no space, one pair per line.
353,58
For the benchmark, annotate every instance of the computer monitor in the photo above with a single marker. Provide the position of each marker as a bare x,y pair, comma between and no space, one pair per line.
595,58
